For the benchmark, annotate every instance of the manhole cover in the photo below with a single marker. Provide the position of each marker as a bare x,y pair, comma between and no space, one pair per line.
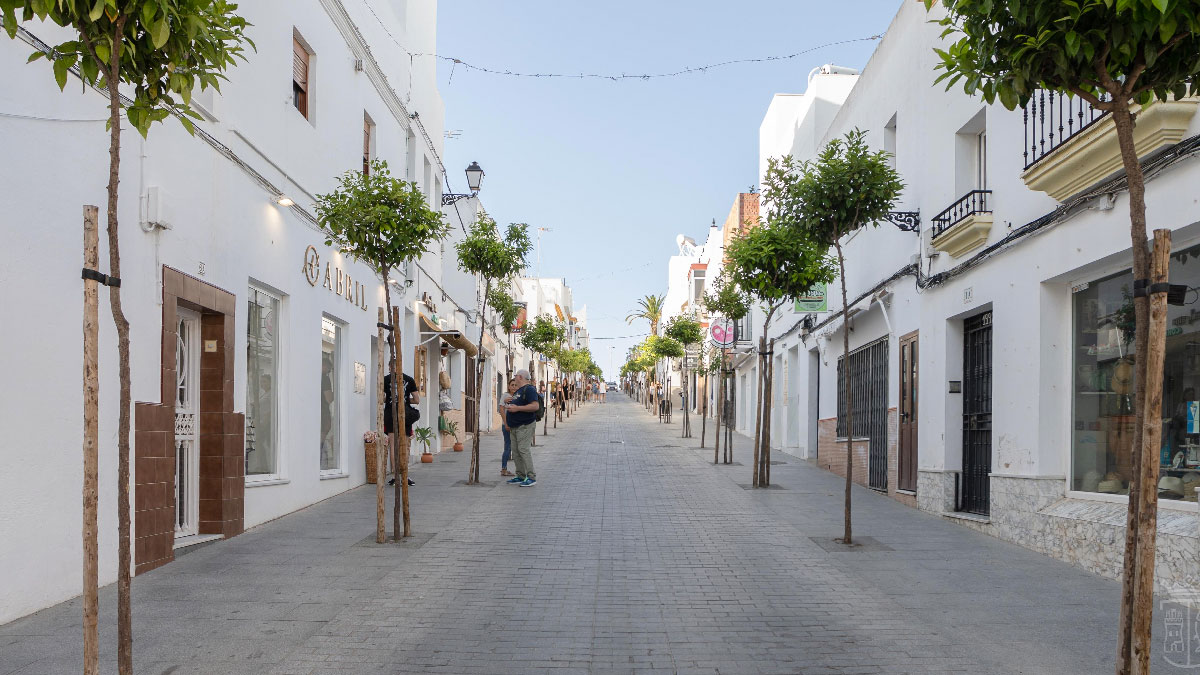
619,442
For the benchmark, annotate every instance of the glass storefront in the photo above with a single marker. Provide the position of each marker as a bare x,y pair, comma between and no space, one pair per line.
262,375
330,398
1104,383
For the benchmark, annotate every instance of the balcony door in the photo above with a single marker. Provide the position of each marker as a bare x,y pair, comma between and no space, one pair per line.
187,408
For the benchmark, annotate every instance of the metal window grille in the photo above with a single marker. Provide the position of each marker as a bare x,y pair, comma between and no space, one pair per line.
977,414
869,390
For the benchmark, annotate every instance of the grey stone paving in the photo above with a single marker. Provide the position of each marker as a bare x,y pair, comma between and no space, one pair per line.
625,557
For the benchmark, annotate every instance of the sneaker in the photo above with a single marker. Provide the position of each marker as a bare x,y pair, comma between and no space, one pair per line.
527,482
518,479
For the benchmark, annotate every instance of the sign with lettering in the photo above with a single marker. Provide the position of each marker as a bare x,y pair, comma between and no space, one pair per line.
334,279
815,300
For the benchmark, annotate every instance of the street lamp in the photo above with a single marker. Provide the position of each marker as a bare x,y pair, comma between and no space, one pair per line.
474,181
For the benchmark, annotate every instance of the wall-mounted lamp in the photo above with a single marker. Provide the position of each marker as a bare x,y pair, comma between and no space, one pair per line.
285,201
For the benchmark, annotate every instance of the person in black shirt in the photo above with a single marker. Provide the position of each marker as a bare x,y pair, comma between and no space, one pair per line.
521,417
412,396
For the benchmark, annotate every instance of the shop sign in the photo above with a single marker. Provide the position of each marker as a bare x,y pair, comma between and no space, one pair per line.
1193,417
815,300
722,333
334,279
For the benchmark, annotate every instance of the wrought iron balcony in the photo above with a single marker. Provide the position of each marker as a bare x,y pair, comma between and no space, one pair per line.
1051,119
975,201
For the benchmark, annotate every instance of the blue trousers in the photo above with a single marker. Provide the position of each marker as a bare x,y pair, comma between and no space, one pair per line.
507,450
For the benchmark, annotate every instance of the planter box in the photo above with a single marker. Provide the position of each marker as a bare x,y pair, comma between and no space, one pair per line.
1093,154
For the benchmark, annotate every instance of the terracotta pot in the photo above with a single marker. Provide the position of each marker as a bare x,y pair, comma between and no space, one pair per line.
458,446
426,457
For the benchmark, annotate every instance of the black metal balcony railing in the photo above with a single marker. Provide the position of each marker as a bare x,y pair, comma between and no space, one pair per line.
1051,119
975,201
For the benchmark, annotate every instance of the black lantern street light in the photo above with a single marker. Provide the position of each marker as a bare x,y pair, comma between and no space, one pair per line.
474,181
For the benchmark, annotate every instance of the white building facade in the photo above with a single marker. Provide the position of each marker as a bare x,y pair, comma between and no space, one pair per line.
253,343
990,330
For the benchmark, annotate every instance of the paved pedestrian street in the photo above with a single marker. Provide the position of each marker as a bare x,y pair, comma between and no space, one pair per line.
633,553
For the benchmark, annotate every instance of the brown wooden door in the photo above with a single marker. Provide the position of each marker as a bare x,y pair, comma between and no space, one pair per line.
907,461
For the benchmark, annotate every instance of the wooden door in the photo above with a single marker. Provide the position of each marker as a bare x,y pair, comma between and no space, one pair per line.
907,461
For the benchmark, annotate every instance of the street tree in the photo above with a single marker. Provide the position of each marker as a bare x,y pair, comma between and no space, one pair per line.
494,260
506,311
847,187
160,50
1121,57
687,332
773,263
649,308
727,301
384,222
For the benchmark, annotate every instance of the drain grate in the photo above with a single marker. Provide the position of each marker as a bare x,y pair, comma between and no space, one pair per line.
618,442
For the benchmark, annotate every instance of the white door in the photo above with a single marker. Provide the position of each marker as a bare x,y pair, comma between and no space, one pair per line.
187,409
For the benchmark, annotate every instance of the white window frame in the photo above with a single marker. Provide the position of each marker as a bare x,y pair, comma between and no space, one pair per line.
340,384
279,476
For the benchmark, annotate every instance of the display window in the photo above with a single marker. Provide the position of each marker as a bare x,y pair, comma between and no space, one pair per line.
1103,383
262,383
331,376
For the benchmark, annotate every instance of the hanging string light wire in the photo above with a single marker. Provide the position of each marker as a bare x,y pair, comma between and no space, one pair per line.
613,77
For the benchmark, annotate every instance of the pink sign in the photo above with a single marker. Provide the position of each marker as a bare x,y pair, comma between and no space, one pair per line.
722,332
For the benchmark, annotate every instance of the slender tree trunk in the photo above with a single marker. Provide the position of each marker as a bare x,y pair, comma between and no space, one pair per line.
91,433
720,412
381,436
124,558
402,445
847,534
703,409
473,471
761,385
768,407
1143,607
1128,626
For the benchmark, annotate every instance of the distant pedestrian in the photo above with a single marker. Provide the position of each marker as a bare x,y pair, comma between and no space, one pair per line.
512,389
522,414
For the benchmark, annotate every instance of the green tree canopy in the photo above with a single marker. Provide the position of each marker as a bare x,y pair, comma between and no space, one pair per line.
484,252
543,336
1121,50
377,219
500,299
684,330
774,263
663,347
162,49
726,300
846,187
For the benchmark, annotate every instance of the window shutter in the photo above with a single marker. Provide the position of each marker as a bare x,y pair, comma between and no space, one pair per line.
299,65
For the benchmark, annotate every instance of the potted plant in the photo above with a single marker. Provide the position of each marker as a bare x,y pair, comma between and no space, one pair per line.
452,429
424,436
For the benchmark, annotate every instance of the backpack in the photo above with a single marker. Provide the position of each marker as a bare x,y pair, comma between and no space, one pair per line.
541,411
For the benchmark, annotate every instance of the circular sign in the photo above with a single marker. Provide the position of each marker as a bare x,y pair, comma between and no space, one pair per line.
721,333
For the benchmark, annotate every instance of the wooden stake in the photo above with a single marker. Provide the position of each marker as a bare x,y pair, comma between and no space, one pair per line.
402,446
1143,606
381,436
720,412
91,432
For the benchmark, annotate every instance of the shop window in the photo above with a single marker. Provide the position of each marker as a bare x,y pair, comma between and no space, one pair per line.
1103,385
331,399
262,383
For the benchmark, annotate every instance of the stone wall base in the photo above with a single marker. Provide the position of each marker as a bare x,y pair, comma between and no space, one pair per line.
1037,514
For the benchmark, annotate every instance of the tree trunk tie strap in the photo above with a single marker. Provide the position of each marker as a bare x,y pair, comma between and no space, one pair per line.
101,278
1143,288
385,326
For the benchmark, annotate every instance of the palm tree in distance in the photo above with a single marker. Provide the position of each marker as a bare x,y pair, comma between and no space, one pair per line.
650,308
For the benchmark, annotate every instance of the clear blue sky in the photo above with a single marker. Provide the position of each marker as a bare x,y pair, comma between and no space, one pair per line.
618,169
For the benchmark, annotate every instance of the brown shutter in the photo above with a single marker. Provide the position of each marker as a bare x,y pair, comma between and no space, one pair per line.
299,65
